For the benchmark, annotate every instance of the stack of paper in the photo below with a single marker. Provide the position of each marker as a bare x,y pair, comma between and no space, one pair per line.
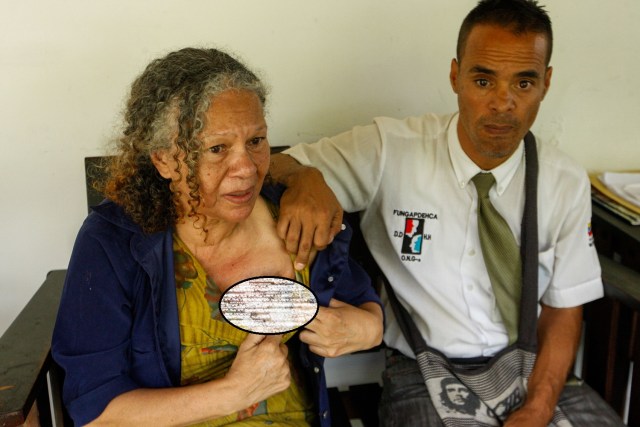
619,192
625,185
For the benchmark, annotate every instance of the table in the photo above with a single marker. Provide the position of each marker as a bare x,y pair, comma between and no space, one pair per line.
612,324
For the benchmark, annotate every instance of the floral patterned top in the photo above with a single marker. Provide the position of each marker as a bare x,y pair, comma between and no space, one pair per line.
209,345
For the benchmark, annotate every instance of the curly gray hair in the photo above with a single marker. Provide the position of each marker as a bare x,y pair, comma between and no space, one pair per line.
167,107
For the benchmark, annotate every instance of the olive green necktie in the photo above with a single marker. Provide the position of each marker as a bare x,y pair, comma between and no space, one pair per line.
501,256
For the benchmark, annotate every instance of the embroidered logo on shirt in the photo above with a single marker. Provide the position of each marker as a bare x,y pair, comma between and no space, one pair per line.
412,239
590,234
413,235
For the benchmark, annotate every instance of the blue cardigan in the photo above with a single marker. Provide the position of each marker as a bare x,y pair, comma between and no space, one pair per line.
117,326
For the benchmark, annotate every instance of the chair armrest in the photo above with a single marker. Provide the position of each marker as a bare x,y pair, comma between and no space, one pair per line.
25,355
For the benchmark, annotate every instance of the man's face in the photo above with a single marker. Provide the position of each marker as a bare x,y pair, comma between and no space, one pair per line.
457,394
500,81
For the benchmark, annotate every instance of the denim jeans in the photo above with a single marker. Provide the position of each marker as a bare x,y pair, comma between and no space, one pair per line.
405,401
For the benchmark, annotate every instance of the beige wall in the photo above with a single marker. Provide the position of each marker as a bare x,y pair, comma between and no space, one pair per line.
65,67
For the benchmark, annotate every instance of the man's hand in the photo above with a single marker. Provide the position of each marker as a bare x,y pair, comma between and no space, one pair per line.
558,339
527,417
342,328
310,215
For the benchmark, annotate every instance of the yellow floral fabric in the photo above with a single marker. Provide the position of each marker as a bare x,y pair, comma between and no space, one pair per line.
209,346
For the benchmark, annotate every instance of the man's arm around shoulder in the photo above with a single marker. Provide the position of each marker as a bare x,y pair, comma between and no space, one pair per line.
310,215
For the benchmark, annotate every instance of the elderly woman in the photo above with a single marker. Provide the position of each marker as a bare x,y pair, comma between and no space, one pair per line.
188,214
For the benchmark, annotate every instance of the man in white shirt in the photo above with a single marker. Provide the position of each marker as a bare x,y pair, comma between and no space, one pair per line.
411,179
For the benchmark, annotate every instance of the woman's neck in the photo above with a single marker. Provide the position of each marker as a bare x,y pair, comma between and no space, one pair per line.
232,252
210,233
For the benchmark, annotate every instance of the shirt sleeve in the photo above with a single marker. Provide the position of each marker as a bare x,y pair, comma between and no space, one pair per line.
91,339
576,277
351,164
335,274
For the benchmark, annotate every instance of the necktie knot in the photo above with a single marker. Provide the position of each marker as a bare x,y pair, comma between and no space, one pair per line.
483,183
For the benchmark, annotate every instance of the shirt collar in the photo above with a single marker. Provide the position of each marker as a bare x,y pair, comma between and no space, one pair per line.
465,168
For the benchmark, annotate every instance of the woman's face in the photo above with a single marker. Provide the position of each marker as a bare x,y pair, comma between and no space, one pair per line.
234,158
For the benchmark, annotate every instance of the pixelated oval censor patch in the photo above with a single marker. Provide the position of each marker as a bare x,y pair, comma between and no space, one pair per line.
268,305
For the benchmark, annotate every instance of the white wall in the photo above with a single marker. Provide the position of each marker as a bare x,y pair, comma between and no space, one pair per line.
65,67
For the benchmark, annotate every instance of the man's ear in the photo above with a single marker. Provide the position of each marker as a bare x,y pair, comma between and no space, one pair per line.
547,80
453,75
163,162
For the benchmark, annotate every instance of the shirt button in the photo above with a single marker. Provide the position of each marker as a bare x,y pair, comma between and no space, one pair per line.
472,252
470,288
343,227
316,370
330,279
325,414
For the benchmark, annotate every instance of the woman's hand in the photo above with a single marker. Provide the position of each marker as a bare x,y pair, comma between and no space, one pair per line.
342,328
261,368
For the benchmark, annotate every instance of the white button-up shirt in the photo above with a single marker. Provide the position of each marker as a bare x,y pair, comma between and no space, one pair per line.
411,179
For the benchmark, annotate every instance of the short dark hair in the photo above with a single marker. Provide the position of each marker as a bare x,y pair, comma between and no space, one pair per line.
519,16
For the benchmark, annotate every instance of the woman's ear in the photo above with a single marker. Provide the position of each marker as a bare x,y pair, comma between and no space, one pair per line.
163,162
